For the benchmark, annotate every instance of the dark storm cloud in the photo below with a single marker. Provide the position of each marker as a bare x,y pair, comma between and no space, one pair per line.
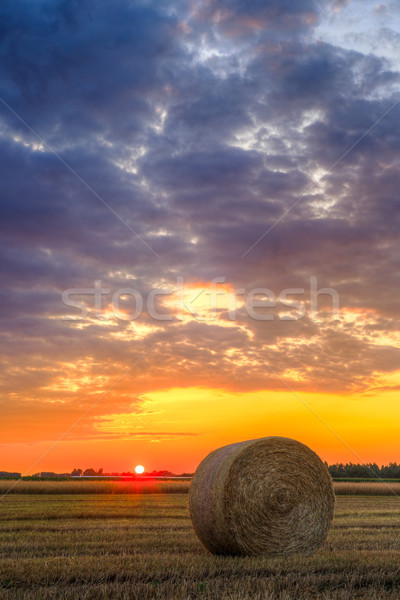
79,69
201,125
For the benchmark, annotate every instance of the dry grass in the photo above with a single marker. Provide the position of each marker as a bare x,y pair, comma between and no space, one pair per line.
347,488
135,547
164,487
93,487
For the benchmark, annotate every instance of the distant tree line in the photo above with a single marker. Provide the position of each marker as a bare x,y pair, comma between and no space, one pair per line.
87,472
337,471
100,472
367,471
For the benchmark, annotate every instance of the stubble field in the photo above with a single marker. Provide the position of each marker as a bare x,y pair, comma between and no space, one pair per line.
142,546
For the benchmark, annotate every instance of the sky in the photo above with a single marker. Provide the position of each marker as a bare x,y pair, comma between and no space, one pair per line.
199,241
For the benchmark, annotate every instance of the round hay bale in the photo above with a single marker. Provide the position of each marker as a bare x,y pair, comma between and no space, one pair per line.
271,496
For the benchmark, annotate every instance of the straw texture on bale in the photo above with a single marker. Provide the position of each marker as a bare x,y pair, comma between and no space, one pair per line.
271,496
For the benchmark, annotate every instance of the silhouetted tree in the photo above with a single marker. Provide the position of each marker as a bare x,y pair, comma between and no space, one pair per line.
366,471
90,472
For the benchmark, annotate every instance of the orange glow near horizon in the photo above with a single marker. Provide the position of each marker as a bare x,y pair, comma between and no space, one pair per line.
176,428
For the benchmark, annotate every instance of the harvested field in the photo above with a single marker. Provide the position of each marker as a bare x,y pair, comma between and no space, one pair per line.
165,487
132,546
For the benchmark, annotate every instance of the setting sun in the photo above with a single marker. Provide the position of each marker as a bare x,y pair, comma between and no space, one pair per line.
139,470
